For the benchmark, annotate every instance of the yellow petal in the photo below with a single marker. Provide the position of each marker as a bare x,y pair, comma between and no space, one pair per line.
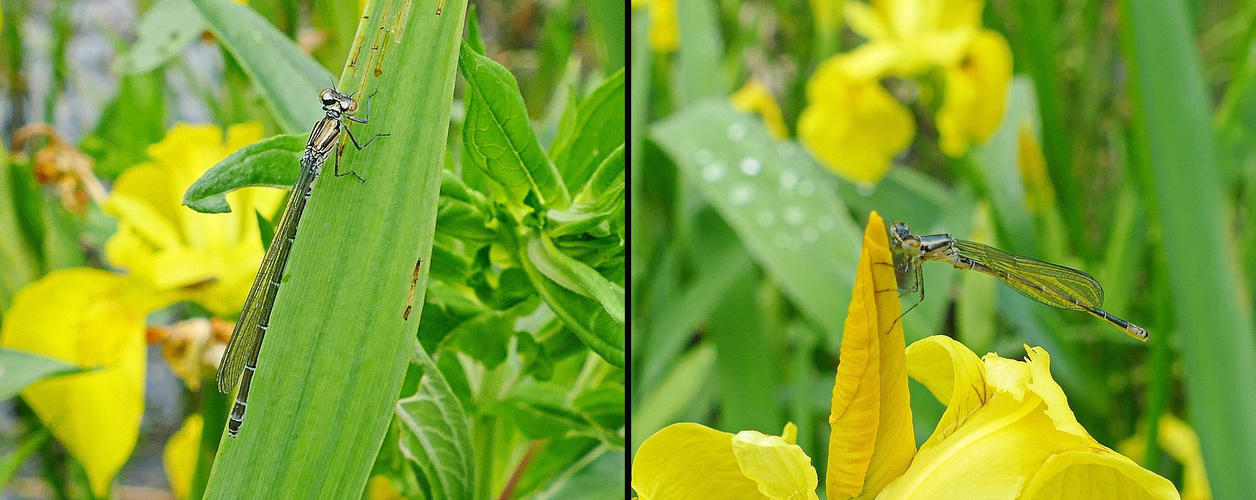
929,33
181,454
1052,395
870,61
243,134
790,433
954,375
148,223
754,97
148,185
781,470
89,318
866,21
1014,436
687,461
664,35
1099,474
212,256
871,441
853,127
976,93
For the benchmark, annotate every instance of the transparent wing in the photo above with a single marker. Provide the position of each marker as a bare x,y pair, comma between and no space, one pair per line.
245,338
1030,277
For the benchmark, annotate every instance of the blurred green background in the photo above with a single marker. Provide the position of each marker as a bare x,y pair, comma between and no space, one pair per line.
1120,145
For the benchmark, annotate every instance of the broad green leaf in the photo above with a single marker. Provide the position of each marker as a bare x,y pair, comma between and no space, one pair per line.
543,411
576,276
600,202
19,369
287,78
274,162
598,131
436,434
783,205
591,322
498,136
163,32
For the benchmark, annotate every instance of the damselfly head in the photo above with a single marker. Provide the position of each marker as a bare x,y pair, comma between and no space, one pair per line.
333,100
903,237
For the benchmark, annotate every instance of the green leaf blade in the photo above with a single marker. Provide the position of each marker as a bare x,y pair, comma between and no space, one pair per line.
498,137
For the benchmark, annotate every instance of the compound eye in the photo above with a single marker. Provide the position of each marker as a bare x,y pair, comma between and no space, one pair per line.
349,105
328,96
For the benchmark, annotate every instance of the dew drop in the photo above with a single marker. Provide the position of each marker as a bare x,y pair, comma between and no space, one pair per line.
736,131
713,172
751,166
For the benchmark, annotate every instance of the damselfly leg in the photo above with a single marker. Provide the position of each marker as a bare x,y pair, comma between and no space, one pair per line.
354,140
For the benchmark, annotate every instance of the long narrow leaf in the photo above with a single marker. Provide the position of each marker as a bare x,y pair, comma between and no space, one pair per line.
1213,313
337,348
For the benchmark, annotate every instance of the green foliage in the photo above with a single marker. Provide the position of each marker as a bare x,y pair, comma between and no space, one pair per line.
519,272
452,326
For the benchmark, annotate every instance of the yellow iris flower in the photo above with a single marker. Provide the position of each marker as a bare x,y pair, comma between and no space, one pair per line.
852,126
976,93
96,319
1007,432
909,39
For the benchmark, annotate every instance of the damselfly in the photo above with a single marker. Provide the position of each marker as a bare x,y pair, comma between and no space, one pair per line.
250,330
1050,284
